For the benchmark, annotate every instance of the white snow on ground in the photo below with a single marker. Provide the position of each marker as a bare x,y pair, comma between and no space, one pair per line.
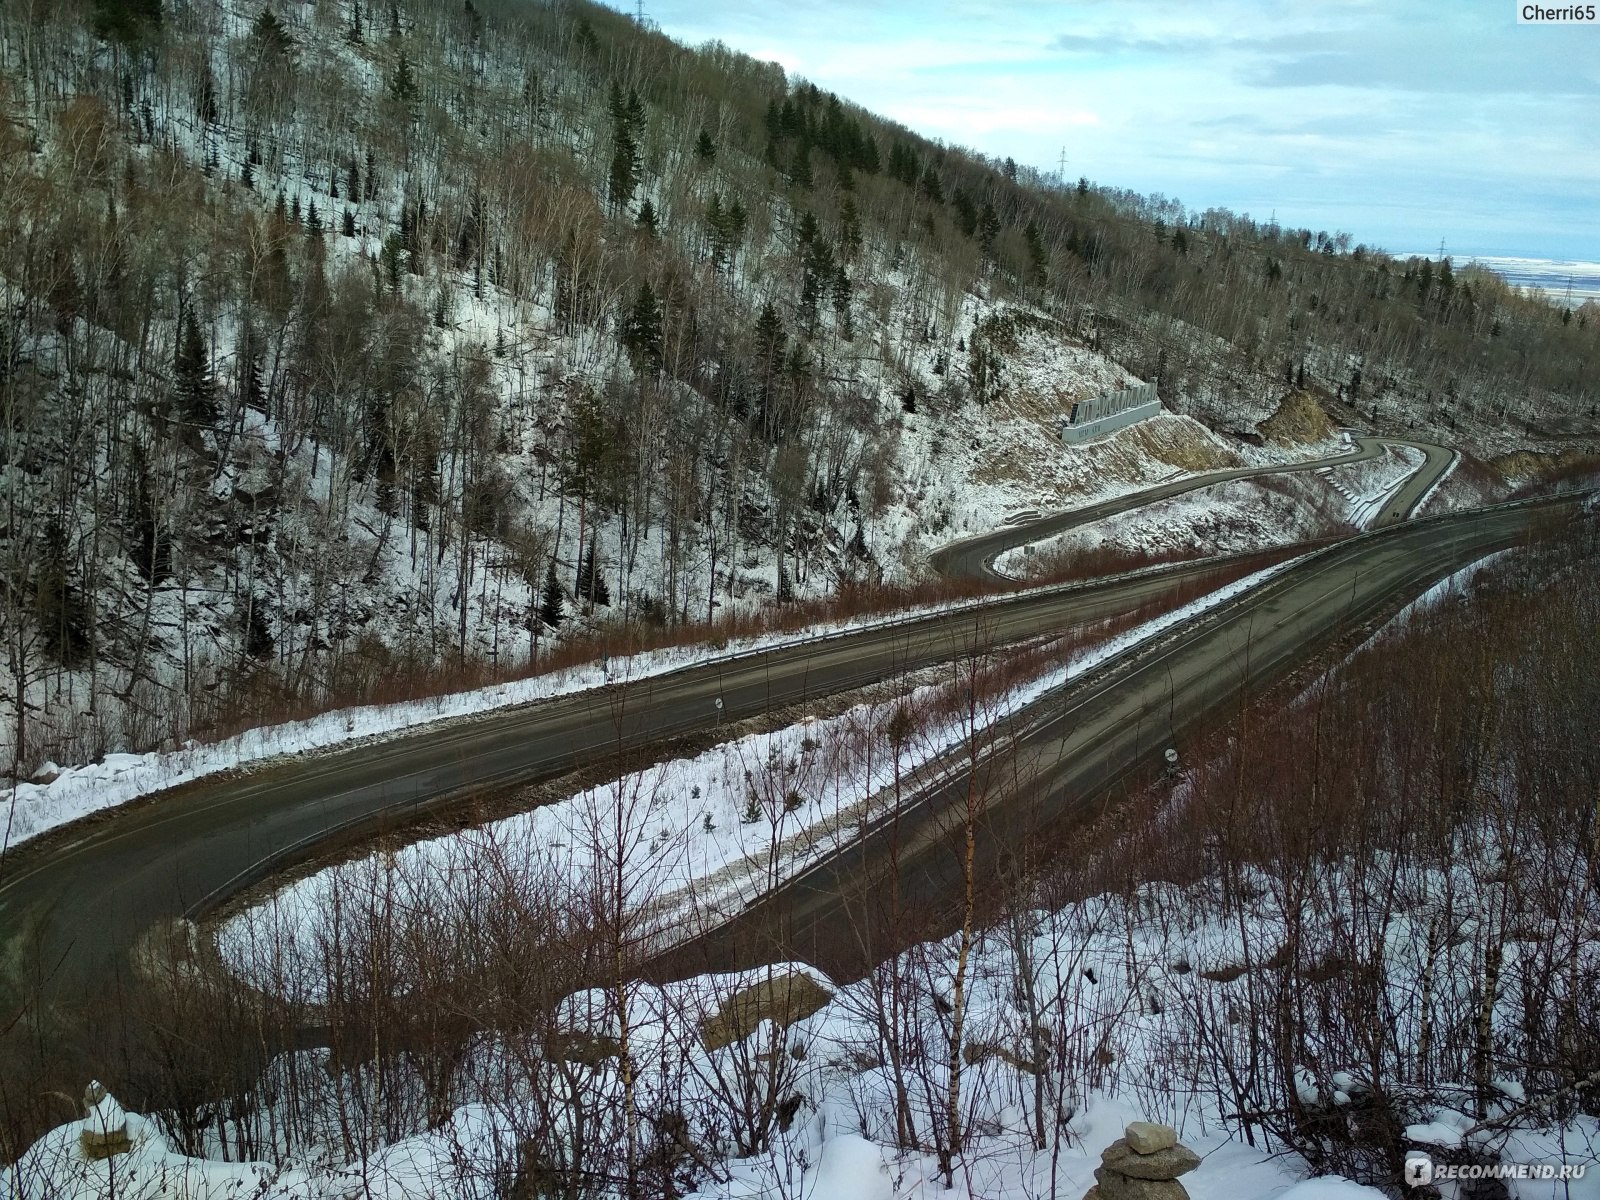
56,1168
1227,518
1446,589
1368,486
1233,517
1120,982
696,835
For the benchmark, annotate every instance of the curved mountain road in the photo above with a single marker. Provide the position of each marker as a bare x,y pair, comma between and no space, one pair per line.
74,903
975,556
1079,742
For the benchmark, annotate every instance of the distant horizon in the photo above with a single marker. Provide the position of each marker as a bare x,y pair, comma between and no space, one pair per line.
1557,277
1400,126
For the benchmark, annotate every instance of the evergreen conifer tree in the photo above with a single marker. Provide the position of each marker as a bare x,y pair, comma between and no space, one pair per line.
842,291
591,582
127,21
623,177
849,230
800,166
255,393
270,34
59,608
552,609
196,389
988,226
1038,258
642,328
258,640
770,337
152,553
966,212
737,221
403,83
586,572
208,98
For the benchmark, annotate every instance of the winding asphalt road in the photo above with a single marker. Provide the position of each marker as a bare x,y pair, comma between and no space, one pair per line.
1075,745
975,556
72,904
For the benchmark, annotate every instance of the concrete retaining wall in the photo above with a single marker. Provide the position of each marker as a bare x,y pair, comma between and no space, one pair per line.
1089,419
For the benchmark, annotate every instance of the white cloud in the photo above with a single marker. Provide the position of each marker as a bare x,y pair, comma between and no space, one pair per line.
1344,113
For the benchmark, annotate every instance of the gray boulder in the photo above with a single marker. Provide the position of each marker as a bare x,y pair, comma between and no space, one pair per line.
1163,1164
1111,1185
1146,1137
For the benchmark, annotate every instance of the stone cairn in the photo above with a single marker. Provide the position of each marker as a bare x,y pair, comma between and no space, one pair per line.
1143,1164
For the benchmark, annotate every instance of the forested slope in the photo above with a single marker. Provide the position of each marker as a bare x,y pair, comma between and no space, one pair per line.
344,342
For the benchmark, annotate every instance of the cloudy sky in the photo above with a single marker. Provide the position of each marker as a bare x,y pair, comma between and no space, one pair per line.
1403,122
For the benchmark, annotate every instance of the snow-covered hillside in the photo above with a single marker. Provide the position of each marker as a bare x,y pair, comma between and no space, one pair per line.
350,352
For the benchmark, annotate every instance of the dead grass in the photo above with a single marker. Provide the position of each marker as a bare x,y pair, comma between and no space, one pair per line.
1529,472
781,999
1122,457
1170,443
1298,419
1521,466
374,675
